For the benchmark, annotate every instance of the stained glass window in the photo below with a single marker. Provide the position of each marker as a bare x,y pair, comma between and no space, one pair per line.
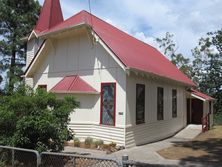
160,103
140,103
108,98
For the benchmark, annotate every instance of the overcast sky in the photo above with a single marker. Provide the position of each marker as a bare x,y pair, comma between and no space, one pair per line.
188,20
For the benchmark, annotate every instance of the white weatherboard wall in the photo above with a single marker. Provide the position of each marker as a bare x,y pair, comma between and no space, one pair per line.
152,129
75,55
32,47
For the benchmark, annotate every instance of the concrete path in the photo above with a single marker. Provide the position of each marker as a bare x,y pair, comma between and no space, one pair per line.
190,132
148,153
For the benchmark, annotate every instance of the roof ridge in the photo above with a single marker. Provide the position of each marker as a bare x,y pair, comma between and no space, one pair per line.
126,47
117,28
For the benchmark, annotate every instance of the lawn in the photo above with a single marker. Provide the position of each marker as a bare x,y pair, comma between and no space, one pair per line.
207,147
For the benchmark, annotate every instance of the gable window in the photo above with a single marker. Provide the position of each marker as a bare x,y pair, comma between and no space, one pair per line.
140,103
174,103
108,104
160,103
44,87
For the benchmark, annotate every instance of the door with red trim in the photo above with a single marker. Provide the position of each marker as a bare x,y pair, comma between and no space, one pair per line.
108,103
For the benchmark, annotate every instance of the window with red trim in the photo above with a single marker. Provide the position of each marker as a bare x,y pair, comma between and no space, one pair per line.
108,104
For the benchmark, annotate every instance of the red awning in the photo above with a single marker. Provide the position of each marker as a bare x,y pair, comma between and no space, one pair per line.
201,95
73,84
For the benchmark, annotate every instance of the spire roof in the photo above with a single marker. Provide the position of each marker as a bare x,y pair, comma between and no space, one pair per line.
50,16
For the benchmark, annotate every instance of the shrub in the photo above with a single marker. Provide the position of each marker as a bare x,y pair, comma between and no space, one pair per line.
2,163
112,144
98,143
218,118
35,119
88,141
76,142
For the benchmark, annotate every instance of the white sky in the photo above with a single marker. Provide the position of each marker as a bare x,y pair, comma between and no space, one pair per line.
188,20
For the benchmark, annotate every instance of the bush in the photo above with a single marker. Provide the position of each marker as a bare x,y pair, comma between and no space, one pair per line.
76,142
98,143
2,163
112,144
35,119
88,141
218,119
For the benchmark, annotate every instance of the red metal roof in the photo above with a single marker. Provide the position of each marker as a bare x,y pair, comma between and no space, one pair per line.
201,95
132,52
73,84
51,15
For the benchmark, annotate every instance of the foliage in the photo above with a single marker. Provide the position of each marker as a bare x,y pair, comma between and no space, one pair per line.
98,143
218,119
88,141
112,144
207,66
35,119
17,19
169,48
2,163
76,142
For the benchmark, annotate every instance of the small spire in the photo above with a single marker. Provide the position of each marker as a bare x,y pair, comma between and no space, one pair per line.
50,16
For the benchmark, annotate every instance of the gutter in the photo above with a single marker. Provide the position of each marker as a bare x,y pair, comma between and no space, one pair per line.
129,69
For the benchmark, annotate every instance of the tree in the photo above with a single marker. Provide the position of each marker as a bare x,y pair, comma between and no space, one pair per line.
207,66
35,119
17,18
169,49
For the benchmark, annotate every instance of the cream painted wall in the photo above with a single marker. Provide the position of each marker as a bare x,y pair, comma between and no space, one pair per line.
75,55
32,47
152,129
30,51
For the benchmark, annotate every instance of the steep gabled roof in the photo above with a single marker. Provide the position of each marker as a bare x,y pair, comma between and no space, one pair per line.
133,53
73,84
50,16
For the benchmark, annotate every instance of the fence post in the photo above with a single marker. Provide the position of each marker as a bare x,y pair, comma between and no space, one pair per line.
125,158
13,158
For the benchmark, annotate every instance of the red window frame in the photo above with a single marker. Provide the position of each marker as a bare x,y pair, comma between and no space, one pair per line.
101,99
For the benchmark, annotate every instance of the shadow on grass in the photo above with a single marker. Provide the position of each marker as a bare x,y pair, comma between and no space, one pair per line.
212,147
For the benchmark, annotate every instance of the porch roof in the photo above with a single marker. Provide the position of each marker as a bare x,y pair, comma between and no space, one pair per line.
201,96
73,84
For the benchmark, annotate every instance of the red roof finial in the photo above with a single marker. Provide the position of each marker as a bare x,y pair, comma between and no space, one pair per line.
51,15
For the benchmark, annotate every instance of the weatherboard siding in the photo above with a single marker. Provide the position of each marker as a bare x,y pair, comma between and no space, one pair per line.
152,129
32,48
76,55
96,131
30,51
